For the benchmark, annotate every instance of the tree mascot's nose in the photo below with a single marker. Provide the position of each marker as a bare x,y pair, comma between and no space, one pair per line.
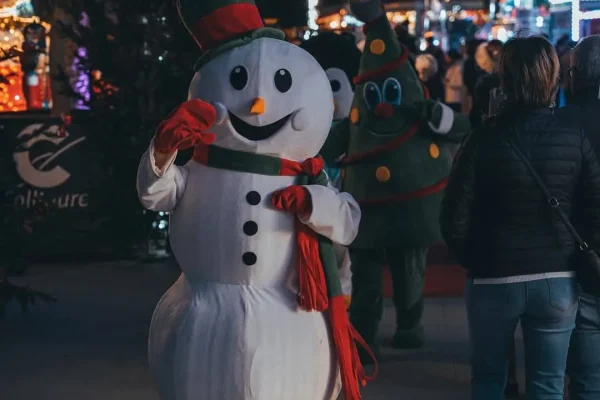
384,110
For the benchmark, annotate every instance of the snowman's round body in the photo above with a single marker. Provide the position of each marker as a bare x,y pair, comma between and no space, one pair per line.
230,327
227,329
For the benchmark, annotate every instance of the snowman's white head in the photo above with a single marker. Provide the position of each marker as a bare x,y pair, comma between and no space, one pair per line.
342,92
273,97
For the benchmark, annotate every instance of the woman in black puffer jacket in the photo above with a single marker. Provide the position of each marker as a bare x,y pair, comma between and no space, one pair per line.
502,229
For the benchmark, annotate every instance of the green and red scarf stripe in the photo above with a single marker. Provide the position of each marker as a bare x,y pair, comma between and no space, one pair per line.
319,285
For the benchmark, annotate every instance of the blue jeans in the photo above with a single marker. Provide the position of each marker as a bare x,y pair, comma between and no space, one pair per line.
546,309
584,354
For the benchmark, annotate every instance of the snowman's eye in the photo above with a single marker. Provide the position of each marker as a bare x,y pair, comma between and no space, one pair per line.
372,95
283,80
335,85
239,77
392,91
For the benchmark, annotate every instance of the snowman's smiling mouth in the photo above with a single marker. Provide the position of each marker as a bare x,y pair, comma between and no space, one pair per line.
256,133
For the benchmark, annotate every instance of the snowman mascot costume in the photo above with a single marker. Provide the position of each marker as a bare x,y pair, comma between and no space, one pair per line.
339,56
258,312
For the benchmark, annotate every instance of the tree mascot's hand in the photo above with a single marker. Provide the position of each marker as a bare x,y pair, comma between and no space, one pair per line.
367,10
426,109
439,117
294,199
186,127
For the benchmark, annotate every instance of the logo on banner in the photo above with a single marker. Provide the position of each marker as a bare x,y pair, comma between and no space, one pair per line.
35,171
44,171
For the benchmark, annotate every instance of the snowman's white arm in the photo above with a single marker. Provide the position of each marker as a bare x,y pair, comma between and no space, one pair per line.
344,264
335,215
160,189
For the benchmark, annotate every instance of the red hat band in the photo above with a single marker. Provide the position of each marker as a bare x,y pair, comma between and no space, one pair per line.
225,23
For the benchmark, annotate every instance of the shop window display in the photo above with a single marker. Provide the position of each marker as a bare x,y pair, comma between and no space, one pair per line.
24,69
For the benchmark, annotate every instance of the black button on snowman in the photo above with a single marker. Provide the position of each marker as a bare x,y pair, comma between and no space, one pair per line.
253,198
249,258
250,227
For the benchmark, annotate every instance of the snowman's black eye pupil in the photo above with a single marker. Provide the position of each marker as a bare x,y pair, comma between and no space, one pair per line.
335,85
239,77
283,80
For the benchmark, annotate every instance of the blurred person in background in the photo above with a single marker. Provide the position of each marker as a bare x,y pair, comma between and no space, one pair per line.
584,354
483,92
487,58
497,220
564,95
427,68
403,34
563,45
453,81
436,51
481,101
471,72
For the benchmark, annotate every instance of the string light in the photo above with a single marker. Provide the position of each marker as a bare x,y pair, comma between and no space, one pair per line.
13,9
82,80
11,35
575,20
313,14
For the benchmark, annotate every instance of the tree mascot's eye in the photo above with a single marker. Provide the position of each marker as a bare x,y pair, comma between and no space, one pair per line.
239,77
392,91
372,95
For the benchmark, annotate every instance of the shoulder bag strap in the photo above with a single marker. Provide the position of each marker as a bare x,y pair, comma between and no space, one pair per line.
552,201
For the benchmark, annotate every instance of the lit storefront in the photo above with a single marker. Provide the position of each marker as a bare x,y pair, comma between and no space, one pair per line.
25,68
577,18
338,21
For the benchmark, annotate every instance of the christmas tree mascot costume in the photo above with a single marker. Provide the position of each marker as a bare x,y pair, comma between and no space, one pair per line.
339,57
258,312
395,165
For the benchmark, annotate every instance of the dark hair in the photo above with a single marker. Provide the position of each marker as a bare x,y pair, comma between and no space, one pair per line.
484,86
472,46
454,54
586,71
529,69
335,51
494,49
563,40
496,43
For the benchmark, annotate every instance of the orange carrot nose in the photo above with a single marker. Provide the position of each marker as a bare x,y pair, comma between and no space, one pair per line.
258,107
384,110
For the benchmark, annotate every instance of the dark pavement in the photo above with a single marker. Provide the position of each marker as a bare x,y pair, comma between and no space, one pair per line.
92,344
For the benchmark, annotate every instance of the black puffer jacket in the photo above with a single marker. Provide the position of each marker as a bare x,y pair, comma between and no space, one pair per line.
496,218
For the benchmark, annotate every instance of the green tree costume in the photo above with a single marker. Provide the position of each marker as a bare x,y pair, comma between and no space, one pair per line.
396,164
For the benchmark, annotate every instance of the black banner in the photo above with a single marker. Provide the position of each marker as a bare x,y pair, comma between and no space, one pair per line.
57,187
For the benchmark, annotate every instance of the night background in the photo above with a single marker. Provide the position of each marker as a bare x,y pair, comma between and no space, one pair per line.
83,86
